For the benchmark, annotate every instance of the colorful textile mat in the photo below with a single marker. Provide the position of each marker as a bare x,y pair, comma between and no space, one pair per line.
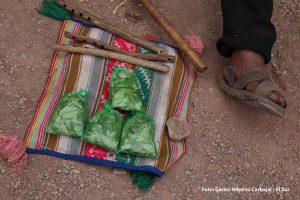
164,95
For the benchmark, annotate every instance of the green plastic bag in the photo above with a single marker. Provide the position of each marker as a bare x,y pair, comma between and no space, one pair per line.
124,90
104,129
138,136
70,116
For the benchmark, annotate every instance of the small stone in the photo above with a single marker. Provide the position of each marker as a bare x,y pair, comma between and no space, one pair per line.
247,165
187,172
58,171
111,195
117,171
272,172
76,171
29,45
2,171
2,64
178,129
81,185
17,184
41,21
230,151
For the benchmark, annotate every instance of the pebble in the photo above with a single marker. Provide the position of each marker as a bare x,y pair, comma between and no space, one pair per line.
247,165
2,171
16,184
119,172
111,195
76,171
187,172
29,45
2,64
178,129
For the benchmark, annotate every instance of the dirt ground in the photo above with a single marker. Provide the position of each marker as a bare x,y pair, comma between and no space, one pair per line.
232,145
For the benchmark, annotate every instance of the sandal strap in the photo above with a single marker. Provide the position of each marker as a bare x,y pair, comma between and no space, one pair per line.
228,74
250,77
265,88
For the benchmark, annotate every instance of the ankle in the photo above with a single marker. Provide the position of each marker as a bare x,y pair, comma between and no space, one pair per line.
245,60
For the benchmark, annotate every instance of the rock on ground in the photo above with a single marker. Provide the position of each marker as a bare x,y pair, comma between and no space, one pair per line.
230,145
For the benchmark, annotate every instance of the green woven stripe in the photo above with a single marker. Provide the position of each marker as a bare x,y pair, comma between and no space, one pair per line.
50,8
145,77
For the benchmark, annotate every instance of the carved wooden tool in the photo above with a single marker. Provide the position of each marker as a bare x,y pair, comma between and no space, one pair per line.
113,55
174,35
102,45
109,28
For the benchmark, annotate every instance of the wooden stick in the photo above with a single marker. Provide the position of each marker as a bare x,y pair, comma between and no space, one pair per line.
113,55
103,45
114,30
174,35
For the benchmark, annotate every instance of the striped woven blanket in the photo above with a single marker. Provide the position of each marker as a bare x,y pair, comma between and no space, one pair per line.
164,95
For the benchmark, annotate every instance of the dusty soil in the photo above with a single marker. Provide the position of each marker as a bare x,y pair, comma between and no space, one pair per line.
231,144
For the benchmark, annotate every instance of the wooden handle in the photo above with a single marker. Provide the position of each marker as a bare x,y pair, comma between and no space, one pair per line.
79,11
113,55
103,45
174,35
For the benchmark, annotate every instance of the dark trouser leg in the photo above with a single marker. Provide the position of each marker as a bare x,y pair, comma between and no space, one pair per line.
247,25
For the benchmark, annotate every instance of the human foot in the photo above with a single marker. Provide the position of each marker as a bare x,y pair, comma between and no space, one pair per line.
245,61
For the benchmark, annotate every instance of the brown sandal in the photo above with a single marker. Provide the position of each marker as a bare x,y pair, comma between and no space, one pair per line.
258,98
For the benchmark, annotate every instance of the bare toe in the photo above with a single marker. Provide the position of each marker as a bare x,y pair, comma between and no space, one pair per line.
280,99
274,97
252,86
